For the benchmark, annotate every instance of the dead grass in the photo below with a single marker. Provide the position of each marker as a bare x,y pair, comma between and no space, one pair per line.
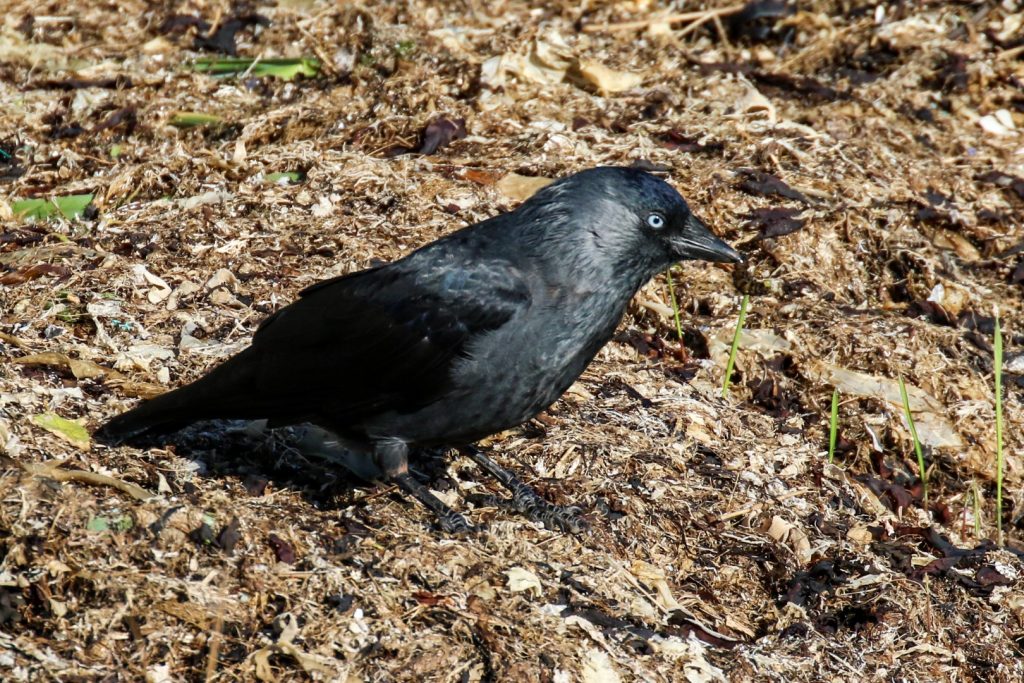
723,545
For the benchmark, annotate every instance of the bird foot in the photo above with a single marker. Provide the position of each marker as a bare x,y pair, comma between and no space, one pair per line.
450,520
568,518
528,502
454,523
556,517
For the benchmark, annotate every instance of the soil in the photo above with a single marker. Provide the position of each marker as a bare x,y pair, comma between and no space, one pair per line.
868,160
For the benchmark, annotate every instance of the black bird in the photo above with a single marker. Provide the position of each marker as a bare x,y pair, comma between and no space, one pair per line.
472,334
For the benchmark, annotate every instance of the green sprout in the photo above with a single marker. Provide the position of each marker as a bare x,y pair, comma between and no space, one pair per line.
833,425
917,442
735,346
998,353
284,69
976,503
194,119
675,303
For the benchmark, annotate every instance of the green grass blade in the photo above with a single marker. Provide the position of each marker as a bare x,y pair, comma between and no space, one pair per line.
997,347
833,425
923,472
193,119
735,346
976,502
284,69
675,304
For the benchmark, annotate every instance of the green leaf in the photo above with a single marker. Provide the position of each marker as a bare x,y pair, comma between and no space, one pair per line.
192,119
404,48
122,523
116,151
285,69
68,430
71,206
290,176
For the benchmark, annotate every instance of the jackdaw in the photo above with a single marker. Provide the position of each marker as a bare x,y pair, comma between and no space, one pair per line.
470,335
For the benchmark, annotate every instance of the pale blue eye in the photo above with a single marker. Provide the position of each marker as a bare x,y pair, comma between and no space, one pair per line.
656,221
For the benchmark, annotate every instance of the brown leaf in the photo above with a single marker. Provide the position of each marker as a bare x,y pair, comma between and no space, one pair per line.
229,537
990,576
759,182
283,550
775,222
521,187
23,275
608,80
1004,180
81,369
480,177
132,388
440,133
680,142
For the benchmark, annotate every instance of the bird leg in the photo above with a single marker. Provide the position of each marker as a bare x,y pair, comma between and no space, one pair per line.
526,501
392,457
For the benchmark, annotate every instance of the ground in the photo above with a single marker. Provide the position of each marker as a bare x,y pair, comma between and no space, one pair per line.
868,162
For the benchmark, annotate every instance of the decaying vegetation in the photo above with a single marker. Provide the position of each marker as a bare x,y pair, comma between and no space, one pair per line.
172,173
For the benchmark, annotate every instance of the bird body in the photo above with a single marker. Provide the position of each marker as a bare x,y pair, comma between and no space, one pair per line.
472,334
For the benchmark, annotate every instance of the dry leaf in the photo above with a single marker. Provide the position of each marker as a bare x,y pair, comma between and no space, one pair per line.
947,239
520,580
521,187
598,668
753,103
608,80
655,577
793,536
933,429
222,278
81,369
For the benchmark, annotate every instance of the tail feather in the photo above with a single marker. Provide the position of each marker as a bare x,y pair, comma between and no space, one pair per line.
226,392
160,415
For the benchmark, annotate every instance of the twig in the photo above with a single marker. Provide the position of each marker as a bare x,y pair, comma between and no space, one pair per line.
700,16
53,471
14,341
693,27
1007,54
215,640
722,33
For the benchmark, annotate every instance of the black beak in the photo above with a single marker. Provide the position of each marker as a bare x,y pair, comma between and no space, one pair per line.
697,242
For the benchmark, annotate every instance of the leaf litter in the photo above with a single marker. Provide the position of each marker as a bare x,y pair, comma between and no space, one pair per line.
868,163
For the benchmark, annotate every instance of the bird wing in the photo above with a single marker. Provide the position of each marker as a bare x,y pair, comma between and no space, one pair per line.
381,339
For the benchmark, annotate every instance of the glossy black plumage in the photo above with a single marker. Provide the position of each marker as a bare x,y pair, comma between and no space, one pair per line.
471,334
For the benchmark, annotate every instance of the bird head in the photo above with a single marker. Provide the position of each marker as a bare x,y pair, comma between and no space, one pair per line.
635,219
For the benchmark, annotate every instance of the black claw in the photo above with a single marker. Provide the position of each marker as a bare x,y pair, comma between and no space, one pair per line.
450,520
526,501
455,524
569,519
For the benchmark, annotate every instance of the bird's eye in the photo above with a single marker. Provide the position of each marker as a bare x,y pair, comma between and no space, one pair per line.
656,221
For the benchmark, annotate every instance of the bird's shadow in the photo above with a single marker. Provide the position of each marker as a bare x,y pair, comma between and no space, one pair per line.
300,459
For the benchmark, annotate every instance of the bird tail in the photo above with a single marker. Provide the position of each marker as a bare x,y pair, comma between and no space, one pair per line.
226,392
